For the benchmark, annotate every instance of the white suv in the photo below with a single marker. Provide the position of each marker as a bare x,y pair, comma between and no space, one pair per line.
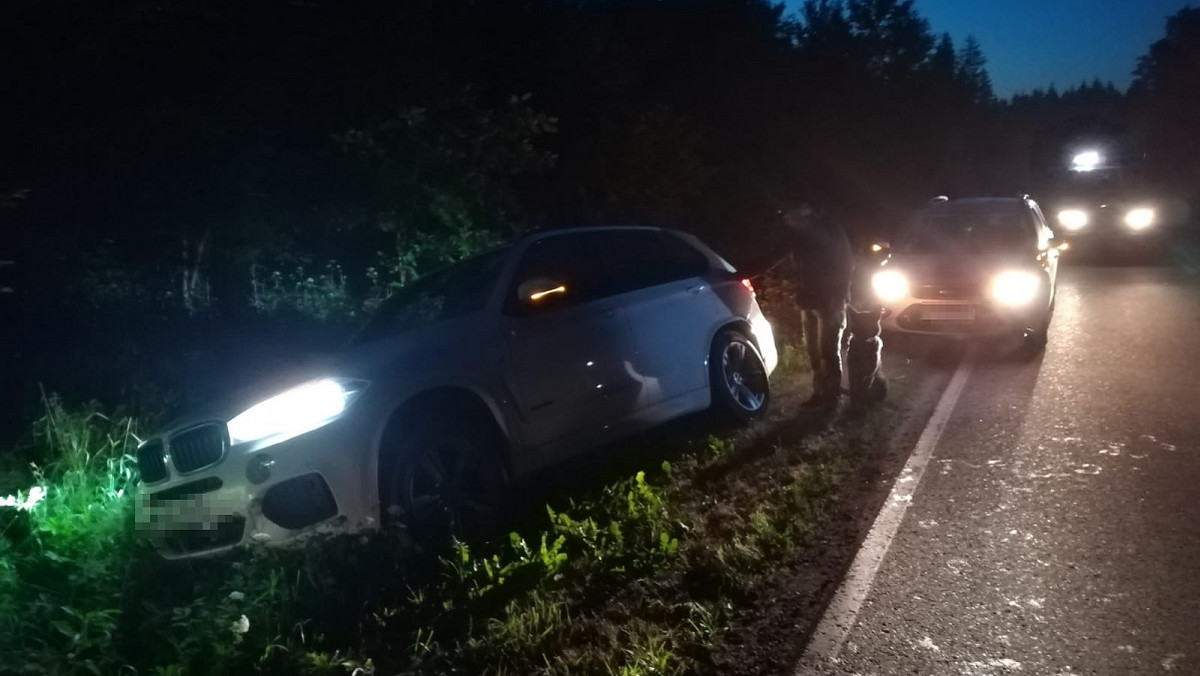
486,370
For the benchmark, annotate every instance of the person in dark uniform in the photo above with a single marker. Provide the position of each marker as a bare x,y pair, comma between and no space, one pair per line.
824,269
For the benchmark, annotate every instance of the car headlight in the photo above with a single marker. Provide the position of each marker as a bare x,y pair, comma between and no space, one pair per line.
1015,288
296,411
1140,219
889,285
1073,219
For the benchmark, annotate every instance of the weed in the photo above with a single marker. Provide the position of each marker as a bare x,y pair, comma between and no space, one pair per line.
640,577
645,653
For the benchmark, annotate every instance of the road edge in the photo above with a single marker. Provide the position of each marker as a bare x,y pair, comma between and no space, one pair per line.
829,637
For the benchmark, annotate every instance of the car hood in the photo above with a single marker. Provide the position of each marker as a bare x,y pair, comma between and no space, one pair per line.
930,268
428,349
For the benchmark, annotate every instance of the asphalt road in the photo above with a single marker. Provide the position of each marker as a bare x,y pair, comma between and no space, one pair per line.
1056,529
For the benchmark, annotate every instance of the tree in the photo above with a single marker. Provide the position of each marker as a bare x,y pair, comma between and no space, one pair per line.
897,39
972,73
439,179
1166,81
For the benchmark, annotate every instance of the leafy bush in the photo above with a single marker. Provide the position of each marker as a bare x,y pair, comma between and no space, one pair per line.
63,574
323,296
634,578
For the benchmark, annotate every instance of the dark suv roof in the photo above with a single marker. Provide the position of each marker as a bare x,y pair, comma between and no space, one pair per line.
979,203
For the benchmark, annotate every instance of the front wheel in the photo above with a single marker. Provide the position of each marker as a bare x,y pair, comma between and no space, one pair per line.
1033,341
738,378
445,476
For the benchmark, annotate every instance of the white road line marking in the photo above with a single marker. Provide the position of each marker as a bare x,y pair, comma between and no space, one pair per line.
834,627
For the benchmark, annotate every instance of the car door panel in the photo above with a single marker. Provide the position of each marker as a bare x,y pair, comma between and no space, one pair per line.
670,324
567,369
568,350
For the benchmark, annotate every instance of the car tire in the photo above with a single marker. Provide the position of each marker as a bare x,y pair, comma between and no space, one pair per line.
444,476
1034,341
738,379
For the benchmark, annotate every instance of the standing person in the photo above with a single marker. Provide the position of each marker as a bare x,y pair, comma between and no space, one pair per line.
824,268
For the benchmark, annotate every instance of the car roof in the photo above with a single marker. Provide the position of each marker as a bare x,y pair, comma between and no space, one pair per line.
980,203
562,230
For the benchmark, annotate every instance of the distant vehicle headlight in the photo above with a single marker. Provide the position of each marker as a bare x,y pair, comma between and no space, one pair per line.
889,285
296,411
1140,219
1015,288
1073,219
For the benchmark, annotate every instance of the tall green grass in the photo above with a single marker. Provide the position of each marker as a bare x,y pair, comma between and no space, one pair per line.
638,576
64,560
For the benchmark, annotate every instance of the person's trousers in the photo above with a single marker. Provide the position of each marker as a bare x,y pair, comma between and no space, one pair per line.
824,324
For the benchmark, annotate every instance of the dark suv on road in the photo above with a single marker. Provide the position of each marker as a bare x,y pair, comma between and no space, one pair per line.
983,266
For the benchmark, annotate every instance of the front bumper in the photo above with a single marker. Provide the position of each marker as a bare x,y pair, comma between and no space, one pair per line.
258,492
1106,227
958,318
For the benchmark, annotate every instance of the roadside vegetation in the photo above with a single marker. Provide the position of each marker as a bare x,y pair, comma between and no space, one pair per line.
640,573
173,232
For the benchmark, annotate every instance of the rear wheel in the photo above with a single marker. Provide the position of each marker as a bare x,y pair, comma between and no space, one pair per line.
444,476
738,378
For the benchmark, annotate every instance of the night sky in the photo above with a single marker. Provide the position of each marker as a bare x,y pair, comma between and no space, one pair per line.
1035,43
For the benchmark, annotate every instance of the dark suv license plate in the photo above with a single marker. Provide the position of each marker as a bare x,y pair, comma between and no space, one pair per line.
948,313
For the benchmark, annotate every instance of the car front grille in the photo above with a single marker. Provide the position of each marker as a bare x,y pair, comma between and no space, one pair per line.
198,447
913,319
958,291
152,464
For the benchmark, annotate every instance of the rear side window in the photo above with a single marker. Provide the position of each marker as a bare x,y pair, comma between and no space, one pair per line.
644,258
598,264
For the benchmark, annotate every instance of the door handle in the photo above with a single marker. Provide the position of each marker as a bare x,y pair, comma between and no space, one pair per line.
695,289
606,313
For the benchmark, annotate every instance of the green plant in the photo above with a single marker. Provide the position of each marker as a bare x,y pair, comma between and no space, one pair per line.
61,584
323,296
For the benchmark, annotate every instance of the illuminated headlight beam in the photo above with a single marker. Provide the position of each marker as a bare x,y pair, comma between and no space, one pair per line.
1073,219
1086,160
889,285
296,411
1140,219
1015,288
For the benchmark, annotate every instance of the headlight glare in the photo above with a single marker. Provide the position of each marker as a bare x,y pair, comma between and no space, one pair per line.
1140,219
1015,288
296,411
1073,219
889,285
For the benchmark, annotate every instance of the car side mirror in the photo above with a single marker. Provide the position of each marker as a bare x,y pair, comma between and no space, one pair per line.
540,290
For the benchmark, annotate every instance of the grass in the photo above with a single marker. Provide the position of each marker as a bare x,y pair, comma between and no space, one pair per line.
641,575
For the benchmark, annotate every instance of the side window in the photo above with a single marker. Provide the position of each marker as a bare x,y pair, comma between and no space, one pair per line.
645,258
574,262
677,258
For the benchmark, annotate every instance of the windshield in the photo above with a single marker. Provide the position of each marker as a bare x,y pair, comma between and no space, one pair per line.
967,231
450,292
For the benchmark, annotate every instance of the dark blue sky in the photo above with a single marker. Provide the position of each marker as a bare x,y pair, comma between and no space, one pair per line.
1036,43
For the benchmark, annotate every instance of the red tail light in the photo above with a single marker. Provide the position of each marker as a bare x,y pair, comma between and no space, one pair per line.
749,287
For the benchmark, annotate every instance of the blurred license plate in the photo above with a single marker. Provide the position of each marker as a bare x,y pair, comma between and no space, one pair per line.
948,313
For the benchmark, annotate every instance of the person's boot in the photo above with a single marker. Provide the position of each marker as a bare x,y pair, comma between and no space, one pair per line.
819,397
831,389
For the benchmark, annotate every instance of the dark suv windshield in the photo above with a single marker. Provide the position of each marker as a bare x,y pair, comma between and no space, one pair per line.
450,292
976,231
